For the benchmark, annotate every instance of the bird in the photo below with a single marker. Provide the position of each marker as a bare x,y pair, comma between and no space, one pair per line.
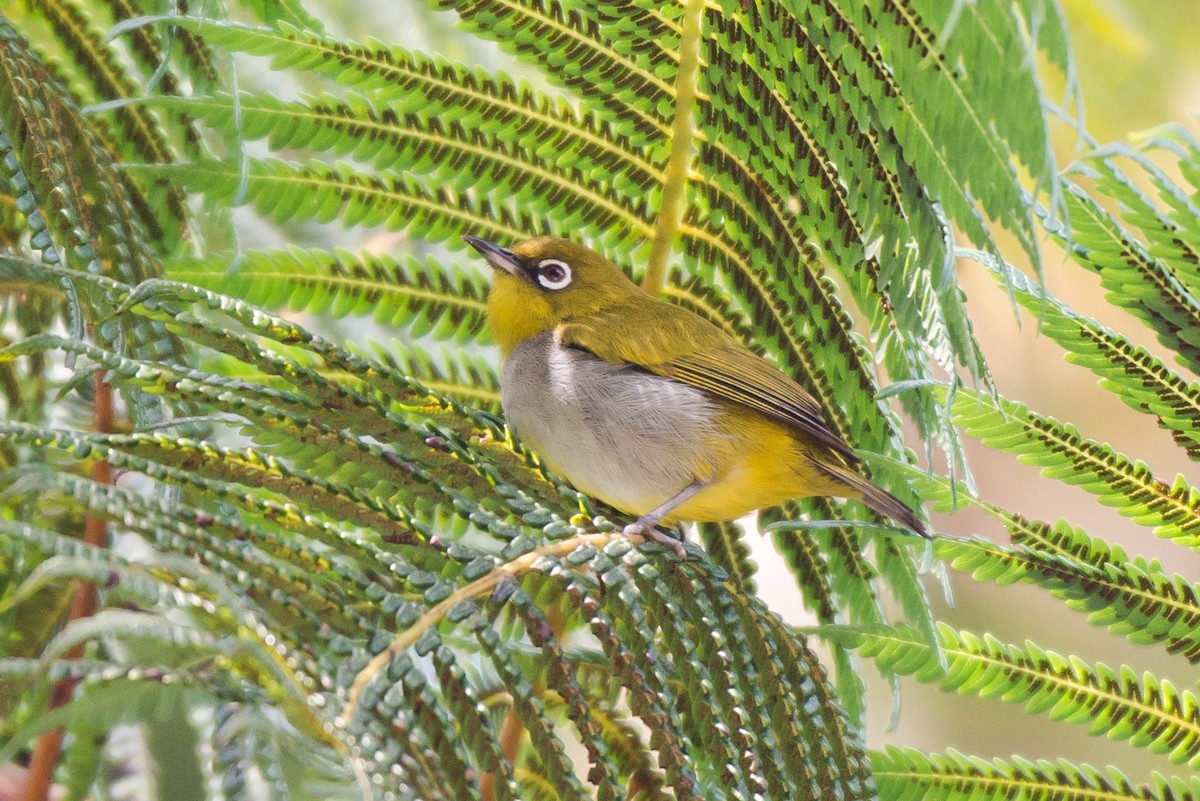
650,407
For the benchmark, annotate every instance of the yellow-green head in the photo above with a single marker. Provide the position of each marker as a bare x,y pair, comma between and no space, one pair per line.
543,282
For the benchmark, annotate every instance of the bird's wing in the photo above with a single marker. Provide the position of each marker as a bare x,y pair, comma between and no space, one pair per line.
667,341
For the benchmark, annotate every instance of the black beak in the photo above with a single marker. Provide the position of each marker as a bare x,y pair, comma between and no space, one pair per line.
498,257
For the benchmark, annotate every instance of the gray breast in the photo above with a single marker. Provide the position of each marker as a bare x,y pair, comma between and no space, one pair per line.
617,433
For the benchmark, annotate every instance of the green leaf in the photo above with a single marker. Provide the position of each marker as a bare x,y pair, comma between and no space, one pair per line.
1147,712
1173,510
1141,380
428,297
906,773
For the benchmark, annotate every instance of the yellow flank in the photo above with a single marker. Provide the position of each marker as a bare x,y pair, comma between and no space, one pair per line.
763,464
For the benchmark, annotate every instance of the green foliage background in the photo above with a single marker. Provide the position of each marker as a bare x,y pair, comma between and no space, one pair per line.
330,571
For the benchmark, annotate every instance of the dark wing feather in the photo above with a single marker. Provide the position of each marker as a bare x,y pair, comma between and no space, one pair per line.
743,377
675,343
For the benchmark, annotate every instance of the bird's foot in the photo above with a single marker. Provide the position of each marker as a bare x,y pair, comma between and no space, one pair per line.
643,528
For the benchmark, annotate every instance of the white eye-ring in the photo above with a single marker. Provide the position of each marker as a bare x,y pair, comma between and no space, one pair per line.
553,274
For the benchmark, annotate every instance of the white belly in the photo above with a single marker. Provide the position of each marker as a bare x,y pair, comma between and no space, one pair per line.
625,436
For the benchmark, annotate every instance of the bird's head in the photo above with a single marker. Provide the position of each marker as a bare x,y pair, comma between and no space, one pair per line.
543,282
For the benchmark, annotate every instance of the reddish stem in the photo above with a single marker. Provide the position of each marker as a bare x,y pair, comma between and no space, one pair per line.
48,750
511,734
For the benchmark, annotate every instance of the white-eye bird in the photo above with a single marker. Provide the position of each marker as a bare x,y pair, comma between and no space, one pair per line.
648,406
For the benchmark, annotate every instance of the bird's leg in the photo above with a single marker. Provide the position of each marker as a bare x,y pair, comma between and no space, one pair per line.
646,524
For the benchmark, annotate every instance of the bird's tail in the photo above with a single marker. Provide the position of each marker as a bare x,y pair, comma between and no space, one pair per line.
878,500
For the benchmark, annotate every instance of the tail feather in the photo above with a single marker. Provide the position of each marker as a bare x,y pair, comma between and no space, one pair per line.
876,499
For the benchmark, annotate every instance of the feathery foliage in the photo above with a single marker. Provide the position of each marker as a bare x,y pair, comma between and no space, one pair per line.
323,563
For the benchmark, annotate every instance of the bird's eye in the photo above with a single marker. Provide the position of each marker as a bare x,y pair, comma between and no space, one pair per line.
553,274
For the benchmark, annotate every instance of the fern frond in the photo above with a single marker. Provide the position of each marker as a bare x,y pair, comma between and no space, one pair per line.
567,41
285,191
531,708
931,70
789,755
1133,597
75,200
245,654
313,445
179,460
261,562
290,12
1167,219
1142,381
825,595
625,743
430,297
1182,149
844,750
1005,83
734,753
1136,599
723,542
837,584
405,82
88,232
707,301
1135,279
462,156
810,568
851,182
172,52
604,580
624,628
141,136
1058,448
906,774
452,432
562,685
456,372
1147,712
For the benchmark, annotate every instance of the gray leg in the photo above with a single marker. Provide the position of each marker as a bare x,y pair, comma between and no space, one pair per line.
645,525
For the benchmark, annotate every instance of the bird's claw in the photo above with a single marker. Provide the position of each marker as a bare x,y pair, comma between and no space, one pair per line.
641,529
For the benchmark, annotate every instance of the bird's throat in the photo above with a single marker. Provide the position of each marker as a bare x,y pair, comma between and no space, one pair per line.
516,313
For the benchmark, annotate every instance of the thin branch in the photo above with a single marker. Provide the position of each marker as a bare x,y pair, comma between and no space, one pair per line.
48,750
675,179
512,734
478,588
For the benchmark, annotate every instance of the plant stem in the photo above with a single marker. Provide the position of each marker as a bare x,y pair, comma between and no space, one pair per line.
512,733
46,753
480,587
675,179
